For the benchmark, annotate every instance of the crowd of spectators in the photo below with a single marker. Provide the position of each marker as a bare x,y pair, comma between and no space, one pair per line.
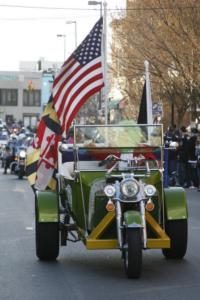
183,156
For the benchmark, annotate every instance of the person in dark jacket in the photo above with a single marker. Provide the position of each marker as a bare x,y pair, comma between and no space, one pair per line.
6,158
197,151
171,142
192,159
183,158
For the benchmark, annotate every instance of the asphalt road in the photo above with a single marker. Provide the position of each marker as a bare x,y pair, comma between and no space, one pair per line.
79,274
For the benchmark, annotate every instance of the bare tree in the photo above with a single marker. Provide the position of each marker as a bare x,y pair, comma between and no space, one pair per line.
166,33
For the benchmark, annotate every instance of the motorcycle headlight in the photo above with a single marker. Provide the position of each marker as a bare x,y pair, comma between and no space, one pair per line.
129,187
22,154
149,190
109,190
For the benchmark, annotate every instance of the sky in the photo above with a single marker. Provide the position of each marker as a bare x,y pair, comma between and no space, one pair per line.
27,34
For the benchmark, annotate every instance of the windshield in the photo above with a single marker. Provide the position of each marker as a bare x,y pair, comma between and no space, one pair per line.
113,136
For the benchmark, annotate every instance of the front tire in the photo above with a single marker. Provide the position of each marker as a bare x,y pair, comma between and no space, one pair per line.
20,174
12,169
177,230
47,240
133,254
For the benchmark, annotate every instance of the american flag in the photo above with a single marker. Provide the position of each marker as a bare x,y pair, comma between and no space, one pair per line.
80,77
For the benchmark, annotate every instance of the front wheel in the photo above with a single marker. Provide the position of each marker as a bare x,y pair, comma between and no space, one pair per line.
177,230
21,173
47,240
133,253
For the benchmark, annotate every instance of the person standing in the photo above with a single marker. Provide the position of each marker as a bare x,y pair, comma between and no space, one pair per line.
192,159
183,158
172,143
197,151
6,158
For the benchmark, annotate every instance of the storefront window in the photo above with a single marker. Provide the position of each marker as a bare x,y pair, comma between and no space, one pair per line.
30,120
31,98
8,97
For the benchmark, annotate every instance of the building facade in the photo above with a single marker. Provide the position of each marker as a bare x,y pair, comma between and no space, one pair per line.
23,96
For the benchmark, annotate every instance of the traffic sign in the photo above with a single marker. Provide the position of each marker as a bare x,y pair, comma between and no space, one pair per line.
157,109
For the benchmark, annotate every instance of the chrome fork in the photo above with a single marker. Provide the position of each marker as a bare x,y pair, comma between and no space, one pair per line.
142,211
118,212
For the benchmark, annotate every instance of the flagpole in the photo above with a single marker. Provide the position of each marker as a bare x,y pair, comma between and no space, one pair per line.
148,94
105,60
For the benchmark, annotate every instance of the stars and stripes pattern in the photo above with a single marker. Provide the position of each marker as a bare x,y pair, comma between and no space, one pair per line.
80,77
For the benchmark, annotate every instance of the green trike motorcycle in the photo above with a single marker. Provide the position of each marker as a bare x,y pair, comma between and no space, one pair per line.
111,195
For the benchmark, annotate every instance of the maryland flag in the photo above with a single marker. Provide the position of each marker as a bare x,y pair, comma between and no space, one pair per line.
42,154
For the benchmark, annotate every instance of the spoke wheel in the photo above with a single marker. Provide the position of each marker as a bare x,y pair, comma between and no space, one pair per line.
177,230
133,253
47,240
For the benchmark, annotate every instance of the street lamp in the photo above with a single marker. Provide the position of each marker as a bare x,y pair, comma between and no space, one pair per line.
64,39
75,30
96,3
103,94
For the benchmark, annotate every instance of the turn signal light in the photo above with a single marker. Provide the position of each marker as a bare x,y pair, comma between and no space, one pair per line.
150,206
110,205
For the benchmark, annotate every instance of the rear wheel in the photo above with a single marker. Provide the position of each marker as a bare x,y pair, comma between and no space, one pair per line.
177,230
133,253
47,240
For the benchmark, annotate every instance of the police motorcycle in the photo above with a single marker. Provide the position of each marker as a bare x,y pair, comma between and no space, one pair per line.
18,164
111,195
20,167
